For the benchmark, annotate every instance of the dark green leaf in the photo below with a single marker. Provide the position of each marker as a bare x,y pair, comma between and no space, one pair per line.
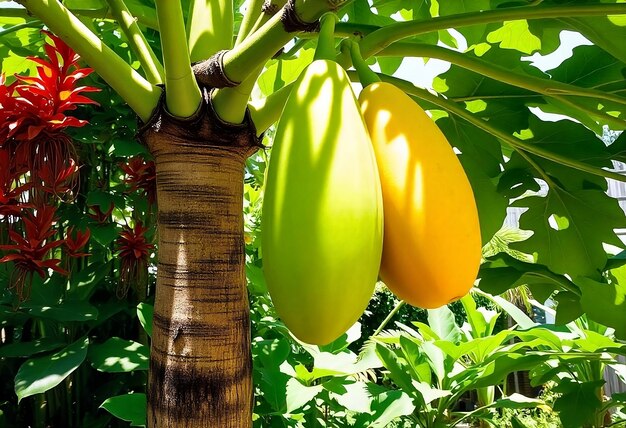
578,403
40,374
128,148
517,401
604,303
104,234
128,407
569,307
567,236
28,349
503,272
398,370
118,355
145,313
84,282
66,311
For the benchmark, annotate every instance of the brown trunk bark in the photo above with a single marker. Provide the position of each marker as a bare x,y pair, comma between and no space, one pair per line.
200,362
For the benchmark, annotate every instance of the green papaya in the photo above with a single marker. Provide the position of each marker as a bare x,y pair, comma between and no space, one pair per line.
322,220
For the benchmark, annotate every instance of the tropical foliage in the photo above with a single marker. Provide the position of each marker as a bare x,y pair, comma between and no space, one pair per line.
78,210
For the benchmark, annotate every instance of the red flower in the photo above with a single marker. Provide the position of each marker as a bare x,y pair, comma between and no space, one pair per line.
73,246
29,252
43,99
10,193
60,183
98,216
33,112
141,176
132,243
133,254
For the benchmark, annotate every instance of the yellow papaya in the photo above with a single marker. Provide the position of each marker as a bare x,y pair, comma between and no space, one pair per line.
432,242
322,219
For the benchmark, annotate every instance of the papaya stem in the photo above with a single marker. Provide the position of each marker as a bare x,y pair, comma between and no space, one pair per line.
230,103
253,11
256,49
142,13
540,85
209,27
267,111
377,40
326,39
366,75
149,62
182,94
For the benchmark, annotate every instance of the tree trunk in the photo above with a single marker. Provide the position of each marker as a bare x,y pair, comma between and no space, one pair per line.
200,361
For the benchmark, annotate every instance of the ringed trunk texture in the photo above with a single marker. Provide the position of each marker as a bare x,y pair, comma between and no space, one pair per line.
200,360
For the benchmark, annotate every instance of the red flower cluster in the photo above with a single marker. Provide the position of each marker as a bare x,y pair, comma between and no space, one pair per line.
141,175
42,101
11,201
33,117
98,216
37,162
29,251
134,250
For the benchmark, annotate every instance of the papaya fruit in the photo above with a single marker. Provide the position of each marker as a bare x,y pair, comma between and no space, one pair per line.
322,219
432,241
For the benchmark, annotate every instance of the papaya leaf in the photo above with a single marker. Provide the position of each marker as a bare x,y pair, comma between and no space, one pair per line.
279,73
604,303
515,35
578,403
604,31
568,238
502,272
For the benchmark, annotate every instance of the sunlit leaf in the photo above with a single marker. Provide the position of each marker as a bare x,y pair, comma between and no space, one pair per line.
40,374
128,407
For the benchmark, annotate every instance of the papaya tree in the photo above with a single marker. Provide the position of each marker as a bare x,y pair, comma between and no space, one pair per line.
219,80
